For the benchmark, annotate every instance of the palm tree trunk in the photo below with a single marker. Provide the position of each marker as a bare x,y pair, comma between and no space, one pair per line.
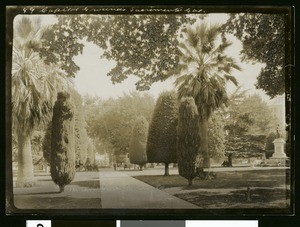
204,142
25,166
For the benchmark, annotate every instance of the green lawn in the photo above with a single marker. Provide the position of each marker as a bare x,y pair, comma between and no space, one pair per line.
82,193
268,189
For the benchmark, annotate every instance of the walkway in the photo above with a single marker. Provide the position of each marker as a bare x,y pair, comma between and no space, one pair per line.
119,190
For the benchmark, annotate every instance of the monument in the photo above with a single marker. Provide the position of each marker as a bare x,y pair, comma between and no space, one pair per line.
279,156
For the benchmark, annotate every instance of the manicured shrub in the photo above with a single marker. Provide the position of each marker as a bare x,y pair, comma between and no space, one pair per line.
63,141
162,136
188,139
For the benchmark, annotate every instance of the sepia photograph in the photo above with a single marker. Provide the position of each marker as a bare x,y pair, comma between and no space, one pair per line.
167,110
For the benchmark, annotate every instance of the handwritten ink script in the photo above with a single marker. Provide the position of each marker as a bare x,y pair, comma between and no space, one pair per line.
90,9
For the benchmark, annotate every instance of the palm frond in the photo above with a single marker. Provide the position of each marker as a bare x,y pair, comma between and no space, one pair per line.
223,46
192,37
212,32
201,31
34,83
212,68
232,79
183,78
187,54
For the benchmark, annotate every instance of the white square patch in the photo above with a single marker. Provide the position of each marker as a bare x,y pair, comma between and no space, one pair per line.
38,223
222,223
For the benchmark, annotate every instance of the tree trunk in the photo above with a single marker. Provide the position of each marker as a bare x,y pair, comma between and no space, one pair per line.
25,165
190,182
61,188
230,160
167,169
204,142
141,167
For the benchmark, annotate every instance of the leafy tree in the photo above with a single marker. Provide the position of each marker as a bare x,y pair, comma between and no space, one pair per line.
202,73
63,141
111,121
93,107
144,45
150,49
188,139
216,136
249,121
138,142
161,144
91,150
34,86
263,39
61,42
81,137
246,146
250,115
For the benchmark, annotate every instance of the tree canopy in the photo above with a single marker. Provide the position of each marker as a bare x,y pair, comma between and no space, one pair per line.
248,122
263,39
142,45
111,121
146,45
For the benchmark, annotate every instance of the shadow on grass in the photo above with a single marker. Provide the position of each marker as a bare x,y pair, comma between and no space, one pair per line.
42,193
259,198
87,184
45,180
64,202
192,187
270,178
129,170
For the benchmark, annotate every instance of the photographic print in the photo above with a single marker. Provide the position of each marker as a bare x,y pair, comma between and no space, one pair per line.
149,110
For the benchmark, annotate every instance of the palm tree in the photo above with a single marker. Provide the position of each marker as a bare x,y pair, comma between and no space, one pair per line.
33,90
202,73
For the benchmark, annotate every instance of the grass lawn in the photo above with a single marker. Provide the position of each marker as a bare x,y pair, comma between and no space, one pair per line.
268,189
82,193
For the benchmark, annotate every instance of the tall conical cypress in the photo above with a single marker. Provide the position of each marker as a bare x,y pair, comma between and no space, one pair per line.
63,141
188,139
81,138
161,145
